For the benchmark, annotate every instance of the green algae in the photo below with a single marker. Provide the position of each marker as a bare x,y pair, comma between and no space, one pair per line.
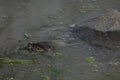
90,59
14,61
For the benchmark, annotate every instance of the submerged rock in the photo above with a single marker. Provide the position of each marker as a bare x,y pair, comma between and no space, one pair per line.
108,39
108,21
103,30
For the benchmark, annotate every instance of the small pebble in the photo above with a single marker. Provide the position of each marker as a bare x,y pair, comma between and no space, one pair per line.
95,70
61,23
90,49
5,16
114,63
96,66
73,25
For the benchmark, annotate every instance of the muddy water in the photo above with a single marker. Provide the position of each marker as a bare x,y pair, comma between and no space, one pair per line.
24,21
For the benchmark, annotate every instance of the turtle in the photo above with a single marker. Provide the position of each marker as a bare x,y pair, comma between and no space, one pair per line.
39,46
46,46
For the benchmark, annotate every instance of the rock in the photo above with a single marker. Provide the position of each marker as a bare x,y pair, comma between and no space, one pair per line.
108,21
61,23
59,43
108,39
73,25
5,17
95,70
103,30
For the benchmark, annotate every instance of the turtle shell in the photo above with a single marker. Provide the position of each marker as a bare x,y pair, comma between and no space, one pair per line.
39,47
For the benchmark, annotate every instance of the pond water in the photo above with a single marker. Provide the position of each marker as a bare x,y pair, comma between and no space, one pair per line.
24,21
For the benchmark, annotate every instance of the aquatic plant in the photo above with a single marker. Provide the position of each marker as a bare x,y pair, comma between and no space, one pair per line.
90,59
45,77
89,8
55,55
14,61
56,71
27,36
